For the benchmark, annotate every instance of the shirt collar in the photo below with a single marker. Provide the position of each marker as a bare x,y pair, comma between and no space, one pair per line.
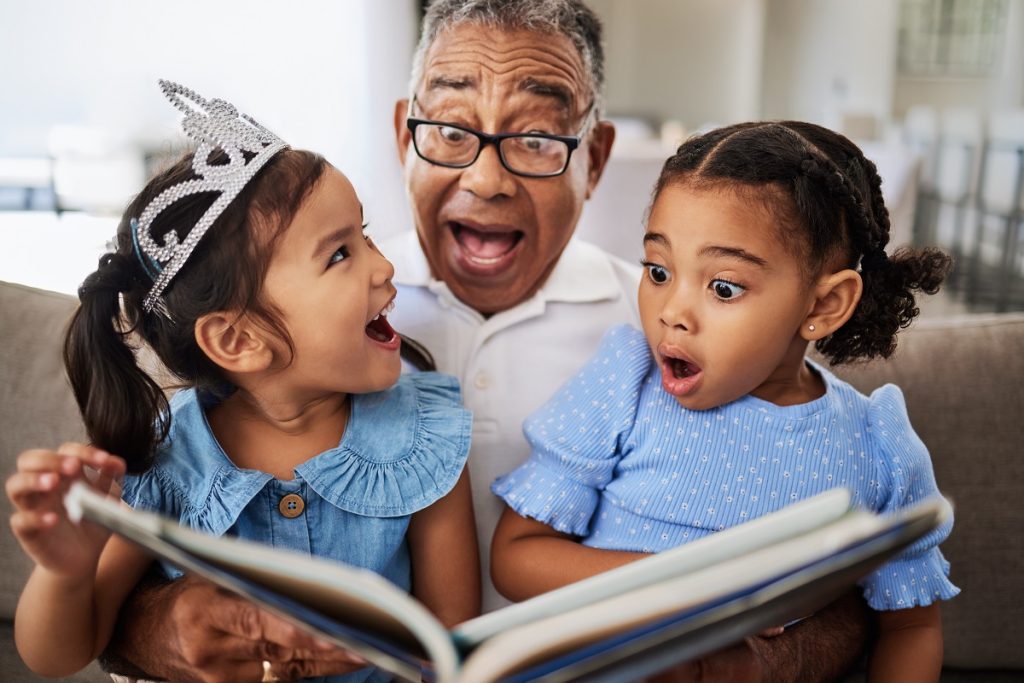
584,273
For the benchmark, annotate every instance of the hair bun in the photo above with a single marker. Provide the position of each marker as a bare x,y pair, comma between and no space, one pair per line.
114,274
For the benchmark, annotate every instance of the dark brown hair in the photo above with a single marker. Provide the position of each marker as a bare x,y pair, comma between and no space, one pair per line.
124,409
827,199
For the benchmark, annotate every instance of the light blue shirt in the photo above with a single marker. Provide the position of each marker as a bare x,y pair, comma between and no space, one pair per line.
403,449
616,460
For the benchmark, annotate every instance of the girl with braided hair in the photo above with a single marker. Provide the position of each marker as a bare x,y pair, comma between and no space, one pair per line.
762,239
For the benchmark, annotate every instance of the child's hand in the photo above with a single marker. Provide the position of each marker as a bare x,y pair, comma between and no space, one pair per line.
40,522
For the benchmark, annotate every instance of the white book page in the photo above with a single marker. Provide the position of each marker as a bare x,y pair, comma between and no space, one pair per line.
536,642
742,539
352,595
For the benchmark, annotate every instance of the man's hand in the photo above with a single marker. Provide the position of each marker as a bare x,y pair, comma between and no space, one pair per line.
191,631
820,648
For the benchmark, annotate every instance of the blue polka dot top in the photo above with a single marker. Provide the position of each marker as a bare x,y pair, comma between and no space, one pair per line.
617,461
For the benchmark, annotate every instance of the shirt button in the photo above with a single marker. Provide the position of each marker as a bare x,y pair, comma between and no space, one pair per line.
292,505
481,381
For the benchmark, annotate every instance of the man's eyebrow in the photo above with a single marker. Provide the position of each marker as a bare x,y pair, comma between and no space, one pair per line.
327,241
732,252
450,82
547,89
655,237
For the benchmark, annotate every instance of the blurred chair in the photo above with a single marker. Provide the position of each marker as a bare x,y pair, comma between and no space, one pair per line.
921,136
961,138
26,183
996,260
94,170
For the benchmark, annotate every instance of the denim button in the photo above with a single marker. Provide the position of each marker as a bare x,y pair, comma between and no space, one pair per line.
291,505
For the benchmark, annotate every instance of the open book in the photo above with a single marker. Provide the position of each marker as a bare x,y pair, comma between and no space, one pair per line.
626,623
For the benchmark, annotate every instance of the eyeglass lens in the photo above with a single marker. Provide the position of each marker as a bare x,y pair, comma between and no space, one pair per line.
529,154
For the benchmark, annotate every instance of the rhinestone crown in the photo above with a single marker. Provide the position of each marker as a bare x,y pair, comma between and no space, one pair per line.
212,124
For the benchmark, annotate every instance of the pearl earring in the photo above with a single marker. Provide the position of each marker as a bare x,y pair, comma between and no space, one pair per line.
811,327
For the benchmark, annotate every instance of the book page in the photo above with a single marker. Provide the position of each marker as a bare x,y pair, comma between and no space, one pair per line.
791,521
852,541
354,606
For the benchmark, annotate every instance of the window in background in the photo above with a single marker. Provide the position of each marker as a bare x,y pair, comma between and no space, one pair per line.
950,37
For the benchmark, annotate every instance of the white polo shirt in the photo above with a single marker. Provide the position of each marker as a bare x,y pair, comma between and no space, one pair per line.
511,363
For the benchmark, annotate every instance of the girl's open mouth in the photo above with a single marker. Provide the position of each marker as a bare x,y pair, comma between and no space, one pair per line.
380,330
679,377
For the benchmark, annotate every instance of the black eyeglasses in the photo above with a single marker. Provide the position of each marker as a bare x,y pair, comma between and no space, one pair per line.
534,155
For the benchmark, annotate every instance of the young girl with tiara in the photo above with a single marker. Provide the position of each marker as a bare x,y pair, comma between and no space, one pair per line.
246,269
762,238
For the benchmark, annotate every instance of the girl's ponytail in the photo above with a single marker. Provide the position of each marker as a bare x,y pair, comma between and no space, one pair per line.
124,410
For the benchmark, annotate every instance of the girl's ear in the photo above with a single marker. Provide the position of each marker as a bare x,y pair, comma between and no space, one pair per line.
835,299
233,342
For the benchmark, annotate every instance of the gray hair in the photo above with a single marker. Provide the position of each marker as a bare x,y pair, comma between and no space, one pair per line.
570,18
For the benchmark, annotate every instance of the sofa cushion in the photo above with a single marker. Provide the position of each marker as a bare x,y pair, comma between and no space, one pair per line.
36,405
964,383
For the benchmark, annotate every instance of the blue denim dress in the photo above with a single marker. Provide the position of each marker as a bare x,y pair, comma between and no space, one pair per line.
403,449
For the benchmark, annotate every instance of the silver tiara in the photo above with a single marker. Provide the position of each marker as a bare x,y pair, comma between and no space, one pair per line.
213,124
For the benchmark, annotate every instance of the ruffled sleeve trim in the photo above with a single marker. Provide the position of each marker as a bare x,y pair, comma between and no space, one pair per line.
910,582
403,450
535,491
192,480
158,491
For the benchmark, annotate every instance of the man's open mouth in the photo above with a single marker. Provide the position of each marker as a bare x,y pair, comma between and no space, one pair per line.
485,249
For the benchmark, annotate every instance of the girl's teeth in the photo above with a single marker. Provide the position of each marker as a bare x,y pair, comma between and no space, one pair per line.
387,309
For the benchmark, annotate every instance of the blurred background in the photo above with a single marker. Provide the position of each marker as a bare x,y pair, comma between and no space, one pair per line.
933,90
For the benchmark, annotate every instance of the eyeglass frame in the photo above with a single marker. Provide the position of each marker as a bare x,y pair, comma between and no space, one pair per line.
571,141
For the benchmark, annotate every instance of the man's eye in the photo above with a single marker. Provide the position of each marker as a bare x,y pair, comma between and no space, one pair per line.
536,145
658,274
339,255
452,134
727,291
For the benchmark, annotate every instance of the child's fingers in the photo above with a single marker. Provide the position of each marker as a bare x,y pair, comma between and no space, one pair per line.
110,474
26,523
40,460
23,487
90,455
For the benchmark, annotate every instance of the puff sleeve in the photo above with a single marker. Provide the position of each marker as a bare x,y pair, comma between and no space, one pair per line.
579,435
919,575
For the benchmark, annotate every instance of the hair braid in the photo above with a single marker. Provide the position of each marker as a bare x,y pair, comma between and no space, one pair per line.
820,183
887,302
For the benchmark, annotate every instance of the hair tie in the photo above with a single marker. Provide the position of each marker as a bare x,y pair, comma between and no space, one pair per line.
151,267
874,260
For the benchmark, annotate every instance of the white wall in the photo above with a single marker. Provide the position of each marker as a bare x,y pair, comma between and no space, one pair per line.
694,60
322,74
823,57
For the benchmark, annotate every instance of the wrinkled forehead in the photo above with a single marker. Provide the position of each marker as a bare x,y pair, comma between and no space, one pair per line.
475,60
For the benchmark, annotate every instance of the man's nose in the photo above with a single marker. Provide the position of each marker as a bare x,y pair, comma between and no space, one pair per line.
487,177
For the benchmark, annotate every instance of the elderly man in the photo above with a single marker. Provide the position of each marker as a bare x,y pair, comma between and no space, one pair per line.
501,143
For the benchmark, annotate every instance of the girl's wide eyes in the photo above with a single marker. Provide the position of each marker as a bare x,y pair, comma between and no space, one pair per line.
339,255
727,291
658,274
342,252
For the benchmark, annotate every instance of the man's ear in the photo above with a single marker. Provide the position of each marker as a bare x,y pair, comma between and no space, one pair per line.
233,342
402,134
599,148
835,299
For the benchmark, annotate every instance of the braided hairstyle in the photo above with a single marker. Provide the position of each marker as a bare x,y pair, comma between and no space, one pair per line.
827,201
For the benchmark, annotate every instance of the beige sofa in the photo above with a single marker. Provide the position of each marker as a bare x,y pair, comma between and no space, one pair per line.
964,382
